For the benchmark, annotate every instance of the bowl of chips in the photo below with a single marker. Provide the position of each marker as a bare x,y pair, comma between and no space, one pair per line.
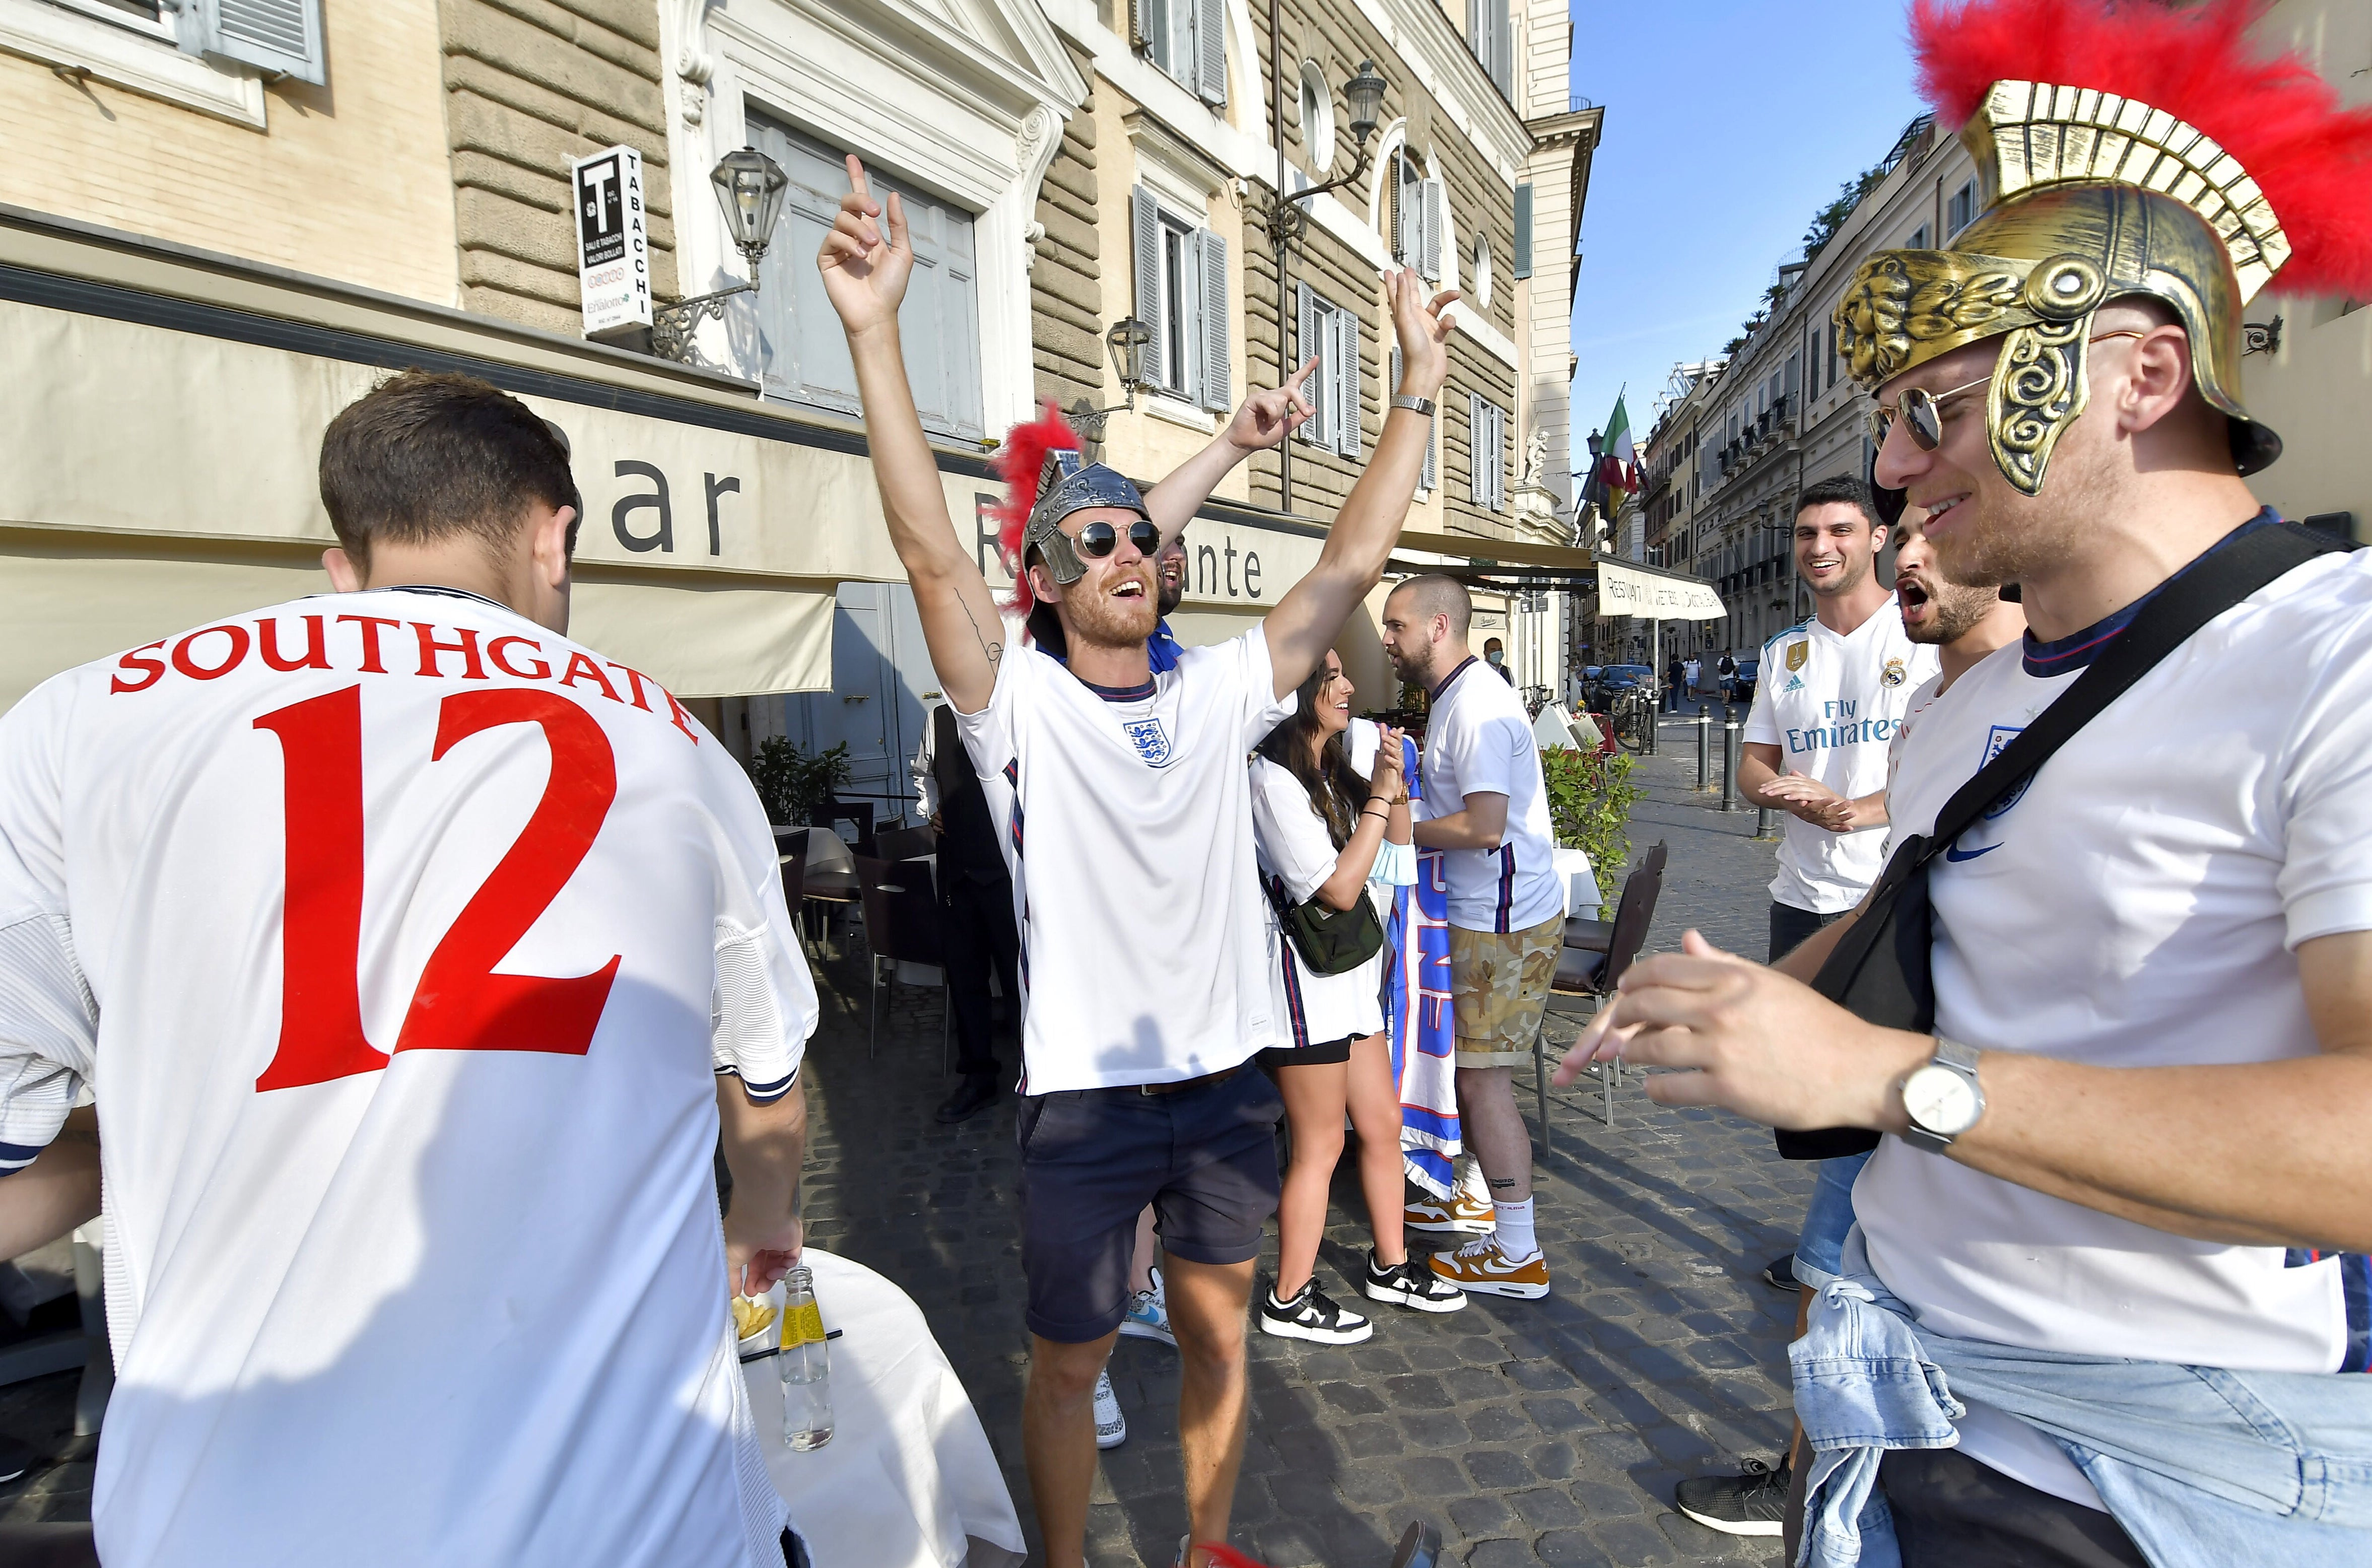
758,1320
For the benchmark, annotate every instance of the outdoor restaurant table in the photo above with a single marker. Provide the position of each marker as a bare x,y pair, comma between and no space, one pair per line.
1582,897
908,1479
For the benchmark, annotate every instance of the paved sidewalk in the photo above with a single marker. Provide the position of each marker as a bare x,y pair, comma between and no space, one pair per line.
1548,1431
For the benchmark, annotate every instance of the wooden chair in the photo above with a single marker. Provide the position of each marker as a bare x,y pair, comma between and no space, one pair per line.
901,926
1595,953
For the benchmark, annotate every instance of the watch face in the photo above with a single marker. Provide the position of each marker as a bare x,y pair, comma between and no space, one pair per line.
1940,1100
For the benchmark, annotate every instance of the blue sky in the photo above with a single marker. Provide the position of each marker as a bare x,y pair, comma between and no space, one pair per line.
1728,124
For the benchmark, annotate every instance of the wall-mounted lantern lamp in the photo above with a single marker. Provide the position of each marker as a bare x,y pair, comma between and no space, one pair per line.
749,187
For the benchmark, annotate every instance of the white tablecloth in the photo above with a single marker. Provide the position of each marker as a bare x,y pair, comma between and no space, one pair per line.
908,1479
1582,897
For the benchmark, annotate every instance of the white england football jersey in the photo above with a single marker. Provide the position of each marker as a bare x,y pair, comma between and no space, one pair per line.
1297,853
402,941
1128,830
2137,904
1830,703
1479,740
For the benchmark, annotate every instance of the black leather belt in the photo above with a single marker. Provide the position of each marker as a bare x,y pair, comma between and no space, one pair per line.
1184,1084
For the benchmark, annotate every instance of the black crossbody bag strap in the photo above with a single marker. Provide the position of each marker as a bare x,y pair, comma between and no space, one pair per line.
1879,969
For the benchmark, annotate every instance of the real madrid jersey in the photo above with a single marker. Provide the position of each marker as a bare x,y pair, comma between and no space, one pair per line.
401,940
1128,828
1829,702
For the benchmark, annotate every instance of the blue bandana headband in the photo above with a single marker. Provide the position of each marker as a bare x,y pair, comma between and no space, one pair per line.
1069,483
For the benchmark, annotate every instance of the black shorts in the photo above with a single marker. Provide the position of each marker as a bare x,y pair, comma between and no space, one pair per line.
1092,1159
1307,1055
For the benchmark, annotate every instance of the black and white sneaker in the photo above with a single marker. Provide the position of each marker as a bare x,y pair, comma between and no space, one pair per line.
1411,1284
1312,1315
1753,1503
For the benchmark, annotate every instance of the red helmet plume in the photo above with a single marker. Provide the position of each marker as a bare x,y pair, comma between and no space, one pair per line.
1019,462
2283,122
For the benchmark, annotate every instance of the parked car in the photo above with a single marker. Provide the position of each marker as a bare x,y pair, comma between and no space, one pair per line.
1742,685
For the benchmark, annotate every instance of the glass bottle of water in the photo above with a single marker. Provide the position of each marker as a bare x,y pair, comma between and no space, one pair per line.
806,1367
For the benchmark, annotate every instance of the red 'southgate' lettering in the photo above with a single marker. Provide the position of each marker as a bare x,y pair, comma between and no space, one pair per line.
317,652
537,669
151,671
471,669
460,1003
187,662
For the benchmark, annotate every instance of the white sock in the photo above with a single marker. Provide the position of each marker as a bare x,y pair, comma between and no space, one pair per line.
1471,1182
1516,1239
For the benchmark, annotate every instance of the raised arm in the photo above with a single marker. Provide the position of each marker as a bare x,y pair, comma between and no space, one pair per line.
1303,625
865,277
1265,419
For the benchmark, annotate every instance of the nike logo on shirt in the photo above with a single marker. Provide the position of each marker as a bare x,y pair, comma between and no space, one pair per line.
1960,854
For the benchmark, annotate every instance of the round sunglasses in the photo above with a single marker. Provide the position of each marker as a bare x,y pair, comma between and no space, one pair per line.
1921,410
1099,539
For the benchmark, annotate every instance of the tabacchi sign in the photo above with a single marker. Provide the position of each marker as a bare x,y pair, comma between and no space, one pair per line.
613,243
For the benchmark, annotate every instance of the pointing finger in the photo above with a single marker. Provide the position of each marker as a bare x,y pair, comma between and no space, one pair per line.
1293,383
856,176
897,222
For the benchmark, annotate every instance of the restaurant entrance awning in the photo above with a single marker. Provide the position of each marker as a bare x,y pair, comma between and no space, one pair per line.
165,410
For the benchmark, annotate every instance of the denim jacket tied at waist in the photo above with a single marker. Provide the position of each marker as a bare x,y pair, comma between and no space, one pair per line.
2204,1466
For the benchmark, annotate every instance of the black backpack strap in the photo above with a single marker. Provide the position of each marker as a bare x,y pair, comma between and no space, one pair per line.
2189,601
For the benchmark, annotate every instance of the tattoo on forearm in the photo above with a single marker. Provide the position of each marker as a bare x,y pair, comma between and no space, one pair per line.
994,650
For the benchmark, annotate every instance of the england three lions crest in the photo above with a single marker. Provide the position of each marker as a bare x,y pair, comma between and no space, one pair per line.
1151,739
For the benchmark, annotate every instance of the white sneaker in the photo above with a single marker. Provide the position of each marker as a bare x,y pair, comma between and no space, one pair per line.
1460,1215
1111,1427
1149,1314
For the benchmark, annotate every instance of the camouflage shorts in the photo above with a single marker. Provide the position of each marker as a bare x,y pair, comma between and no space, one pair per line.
1499,983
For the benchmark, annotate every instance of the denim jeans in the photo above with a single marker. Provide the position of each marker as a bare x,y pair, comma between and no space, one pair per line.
2204,1466
1820,1250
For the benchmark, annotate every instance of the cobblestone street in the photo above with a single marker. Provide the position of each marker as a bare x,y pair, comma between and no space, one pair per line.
1542,1432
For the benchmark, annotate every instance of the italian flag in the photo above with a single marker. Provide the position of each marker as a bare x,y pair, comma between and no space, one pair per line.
1618,460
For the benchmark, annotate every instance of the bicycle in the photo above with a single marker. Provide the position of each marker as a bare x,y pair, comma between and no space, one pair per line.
1633,718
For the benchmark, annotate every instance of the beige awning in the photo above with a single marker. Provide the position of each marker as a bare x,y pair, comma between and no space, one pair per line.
164,415
1562,560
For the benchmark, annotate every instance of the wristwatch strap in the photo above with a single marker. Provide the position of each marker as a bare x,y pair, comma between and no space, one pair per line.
1414,405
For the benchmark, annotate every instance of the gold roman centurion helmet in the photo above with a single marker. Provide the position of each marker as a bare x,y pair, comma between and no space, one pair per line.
2121,150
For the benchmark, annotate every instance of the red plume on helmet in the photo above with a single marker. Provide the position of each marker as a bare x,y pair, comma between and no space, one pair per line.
2283,122
1019,462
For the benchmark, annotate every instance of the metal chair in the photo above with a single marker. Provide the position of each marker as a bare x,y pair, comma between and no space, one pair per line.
901,926
1594,955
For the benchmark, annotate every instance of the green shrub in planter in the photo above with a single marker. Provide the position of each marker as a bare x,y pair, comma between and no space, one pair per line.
1590,796
793,784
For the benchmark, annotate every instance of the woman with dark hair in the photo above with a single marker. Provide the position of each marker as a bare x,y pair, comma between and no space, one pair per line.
1319,831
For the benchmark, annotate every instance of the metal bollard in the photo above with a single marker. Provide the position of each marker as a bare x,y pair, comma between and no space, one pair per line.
1705,746
1730,756
1763,826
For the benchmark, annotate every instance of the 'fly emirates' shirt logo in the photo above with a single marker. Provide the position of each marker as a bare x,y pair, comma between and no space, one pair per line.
1843,727
212,652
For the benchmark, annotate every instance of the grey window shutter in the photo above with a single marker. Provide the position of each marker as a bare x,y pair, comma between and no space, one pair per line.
1211,51
1524,231
1498,459
1503,47
1349,439
1436,198
1477,436
1405,214
1218,375
1314,429
1144,220
281,36
1430,479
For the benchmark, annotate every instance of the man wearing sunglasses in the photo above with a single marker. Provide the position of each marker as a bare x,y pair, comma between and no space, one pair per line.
2120,1205
1127,813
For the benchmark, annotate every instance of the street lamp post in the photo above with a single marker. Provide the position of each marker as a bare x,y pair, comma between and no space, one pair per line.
1125,344
1287,221
749,187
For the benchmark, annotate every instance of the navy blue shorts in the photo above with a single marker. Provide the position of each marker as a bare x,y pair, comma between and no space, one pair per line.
1091,1160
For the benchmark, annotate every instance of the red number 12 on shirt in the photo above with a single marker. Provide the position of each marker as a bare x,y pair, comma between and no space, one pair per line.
460,1003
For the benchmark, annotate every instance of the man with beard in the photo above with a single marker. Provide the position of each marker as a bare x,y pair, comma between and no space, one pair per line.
2117,1215
1832,690
1964,624
1126,807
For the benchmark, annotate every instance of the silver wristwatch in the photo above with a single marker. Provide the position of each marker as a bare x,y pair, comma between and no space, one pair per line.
1414,405
1942,1098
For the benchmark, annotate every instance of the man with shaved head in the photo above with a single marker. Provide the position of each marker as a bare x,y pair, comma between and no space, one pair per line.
1486,808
